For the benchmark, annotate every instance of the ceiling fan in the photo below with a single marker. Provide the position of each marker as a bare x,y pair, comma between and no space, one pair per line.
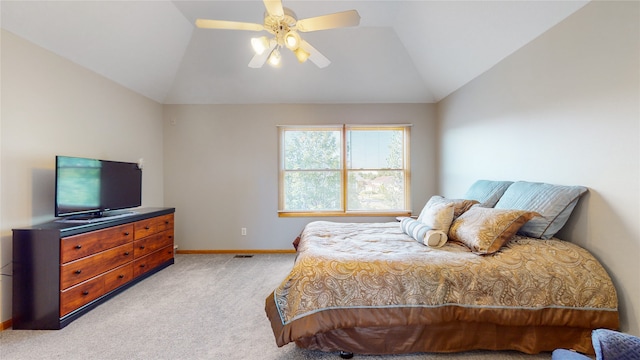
283,24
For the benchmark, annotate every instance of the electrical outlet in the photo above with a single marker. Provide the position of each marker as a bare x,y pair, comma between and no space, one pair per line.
243,231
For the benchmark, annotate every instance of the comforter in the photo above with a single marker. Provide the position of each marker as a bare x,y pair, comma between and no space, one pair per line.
355,281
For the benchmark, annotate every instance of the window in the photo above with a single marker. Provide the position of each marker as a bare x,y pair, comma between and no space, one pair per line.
344,170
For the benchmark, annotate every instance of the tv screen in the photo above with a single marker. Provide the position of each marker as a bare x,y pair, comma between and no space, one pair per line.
91,186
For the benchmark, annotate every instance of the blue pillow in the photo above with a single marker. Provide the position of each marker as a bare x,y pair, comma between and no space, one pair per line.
487,192
553,202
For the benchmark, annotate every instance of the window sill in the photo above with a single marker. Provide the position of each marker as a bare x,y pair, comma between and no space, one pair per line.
344,214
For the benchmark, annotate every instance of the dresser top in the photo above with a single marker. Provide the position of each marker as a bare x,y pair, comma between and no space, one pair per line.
71,227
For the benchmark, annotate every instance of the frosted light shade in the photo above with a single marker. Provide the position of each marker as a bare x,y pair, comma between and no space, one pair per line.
301,54
292,40
274,58
260,44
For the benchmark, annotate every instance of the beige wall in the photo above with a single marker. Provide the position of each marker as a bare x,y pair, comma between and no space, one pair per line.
221,169
564,109
51,106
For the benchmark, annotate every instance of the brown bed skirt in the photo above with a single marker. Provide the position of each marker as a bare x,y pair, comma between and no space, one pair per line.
450,337
332,330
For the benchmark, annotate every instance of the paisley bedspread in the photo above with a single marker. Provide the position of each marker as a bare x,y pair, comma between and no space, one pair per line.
358,275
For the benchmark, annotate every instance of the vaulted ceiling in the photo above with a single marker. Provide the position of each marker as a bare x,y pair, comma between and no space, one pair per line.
402,51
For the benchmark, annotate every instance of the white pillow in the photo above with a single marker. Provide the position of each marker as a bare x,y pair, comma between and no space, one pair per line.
437,214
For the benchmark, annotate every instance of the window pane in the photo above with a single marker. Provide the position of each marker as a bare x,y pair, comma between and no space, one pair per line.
374,149
375,190
312,149
312,190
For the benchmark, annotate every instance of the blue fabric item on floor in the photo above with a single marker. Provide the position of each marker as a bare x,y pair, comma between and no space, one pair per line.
608,345
562,354
614,345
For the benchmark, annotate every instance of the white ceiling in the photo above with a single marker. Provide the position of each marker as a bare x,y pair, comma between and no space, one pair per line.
402,52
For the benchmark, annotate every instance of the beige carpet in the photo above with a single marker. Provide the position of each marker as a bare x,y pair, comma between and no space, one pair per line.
202,307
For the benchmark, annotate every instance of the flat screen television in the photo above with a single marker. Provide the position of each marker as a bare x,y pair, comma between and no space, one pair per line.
89,188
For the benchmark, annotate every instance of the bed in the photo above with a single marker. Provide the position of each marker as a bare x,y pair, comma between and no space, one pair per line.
499,281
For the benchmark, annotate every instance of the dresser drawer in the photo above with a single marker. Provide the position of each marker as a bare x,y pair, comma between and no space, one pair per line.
151,261
78,246
148,227
81,294
80,270
118,277
152,243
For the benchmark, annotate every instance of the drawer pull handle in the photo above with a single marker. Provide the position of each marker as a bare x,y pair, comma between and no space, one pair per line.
166,223
126,233
78,246
146,228
121,276
141,247
142,265
126,253
78,271
170,237
85,293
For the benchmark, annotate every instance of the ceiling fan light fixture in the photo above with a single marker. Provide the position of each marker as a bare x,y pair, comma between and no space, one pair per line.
301,54
284,27
275,58
260,44
292,40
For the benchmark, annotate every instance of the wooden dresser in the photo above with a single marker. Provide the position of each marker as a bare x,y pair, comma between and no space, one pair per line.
62,270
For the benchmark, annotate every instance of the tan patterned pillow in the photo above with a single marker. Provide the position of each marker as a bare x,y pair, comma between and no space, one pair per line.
459,205
485,230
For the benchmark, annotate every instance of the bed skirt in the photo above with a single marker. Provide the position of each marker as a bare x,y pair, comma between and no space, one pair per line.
450,337
433,335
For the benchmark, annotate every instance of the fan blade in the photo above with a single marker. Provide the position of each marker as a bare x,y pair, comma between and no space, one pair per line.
315,56
331,21
227,25
259,59
274,7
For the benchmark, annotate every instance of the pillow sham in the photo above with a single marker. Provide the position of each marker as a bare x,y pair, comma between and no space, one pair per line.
486,230
459,205
487,192
554,203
